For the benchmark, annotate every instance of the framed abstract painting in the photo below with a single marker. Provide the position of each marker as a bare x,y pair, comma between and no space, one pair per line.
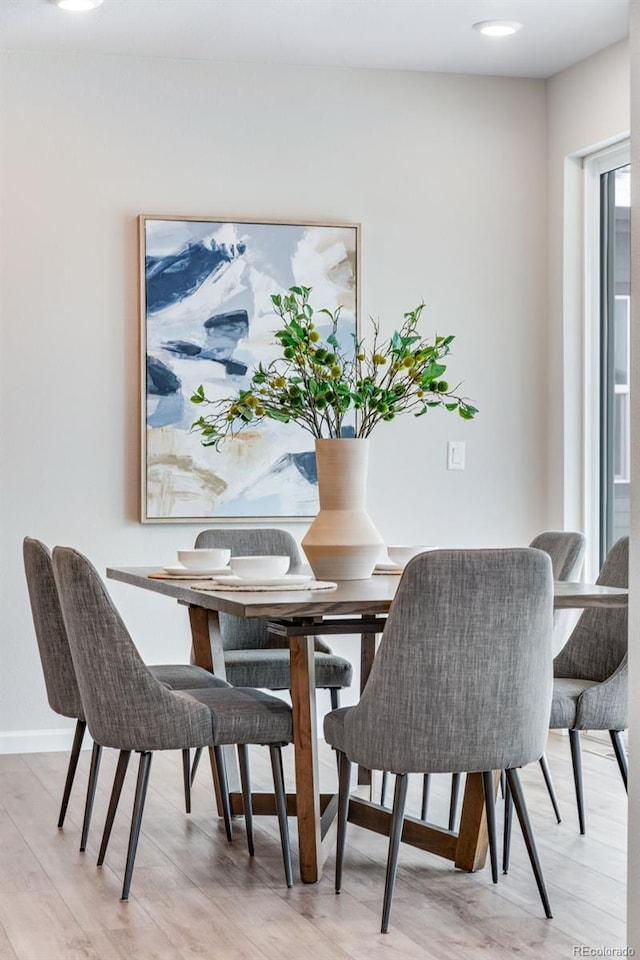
207,318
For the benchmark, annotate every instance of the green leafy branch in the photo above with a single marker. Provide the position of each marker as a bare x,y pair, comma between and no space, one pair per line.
316,382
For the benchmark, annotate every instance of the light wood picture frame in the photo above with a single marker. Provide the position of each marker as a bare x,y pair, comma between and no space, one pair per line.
207,318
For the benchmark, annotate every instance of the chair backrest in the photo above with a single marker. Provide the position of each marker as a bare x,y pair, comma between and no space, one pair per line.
599,640
462,680
566,549
125,706
239,634
53,645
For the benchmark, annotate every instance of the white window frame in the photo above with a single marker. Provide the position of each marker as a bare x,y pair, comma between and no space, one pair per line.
623,389
594,165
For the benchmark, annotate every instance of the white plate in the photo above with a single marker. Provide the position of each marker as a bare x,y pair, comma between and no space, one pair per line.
232,580
181,571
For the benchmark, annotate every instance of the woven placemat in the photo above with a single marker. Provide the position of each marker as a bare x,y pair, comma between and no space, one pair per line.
386,570
271,588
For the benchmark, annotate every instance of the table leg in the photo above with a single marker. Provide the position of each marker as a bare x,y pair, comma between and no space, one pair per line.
473,839
207,652
206,640
305,737
367,656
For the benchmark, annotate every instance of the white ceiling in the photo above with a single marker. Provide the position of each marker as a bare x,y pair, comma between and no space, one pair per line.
387,34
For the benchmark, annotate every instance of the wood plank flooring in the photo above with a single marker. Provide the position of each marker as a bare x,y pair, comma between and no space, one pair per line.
194,895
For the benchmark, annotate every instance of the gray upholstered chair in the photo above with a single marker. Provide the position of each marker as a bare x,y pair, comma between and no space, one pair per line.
566,549
590,681
126,707
590,685
249,659
60,678
461,683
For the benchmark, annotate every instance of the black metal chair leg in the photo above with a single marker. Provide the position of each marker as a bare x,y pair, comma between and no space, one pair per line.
281,807
508,817
245,780
96,756
383,787
186,776
78,737
397,821
490,807
621,756
456,780
521,809
546,773
343,809
335,697
426,789
503,784
196,761
576,760
142,783
224,791
116,790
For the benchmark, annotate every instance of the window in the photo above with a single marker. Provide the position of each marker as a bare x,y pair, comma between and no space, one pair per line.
607,390
615,283
621,430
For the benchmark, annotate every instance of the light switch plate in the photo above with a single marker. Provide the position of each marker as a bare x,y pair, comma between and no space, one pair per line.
455,455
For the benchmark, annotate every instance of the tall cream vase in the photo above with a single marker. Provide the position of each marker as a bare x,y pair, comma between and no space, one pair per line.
342,543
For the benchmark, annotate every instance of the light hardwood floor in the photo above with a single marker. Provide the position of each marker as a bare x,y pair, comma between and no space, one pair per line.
195,895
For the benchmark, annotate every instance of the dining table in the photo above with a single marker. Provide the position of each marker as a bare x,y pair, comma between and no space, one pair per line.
295,617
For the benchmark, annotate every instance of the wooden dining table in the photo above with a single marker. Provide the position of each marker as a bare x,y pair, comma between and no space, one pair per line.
357,607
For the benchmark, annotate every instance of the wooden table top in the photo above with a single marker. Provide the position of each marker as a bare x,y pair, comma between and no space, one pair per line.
350,596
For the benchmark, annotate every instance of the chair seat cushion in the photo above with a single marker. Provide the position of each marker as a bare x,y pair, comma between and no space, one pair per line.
270,669
185,676
564,706
334,728
240,715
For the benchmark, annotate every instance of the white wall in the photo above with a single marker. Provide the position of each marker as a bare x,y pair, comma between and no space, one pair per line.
587,106
446,175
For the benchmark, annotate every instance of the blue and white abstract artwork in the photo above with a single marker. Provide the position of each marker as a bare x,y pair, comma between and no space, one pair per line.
207,318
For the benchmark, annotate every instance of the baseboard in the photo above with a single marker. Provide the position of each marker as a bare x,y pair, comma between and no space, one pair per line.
39,741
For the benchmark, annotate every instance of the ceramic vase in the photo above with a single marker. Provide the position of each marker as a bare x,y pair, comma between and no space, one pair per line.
342,543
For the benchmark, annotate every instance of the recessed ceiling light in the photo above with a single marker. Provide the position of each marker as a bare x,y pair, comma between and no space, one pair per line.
77,6
497,28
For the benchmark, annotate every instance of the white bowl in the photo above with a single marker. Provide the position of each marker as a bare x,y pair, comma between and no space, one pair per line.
259,568
203,559
402,555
